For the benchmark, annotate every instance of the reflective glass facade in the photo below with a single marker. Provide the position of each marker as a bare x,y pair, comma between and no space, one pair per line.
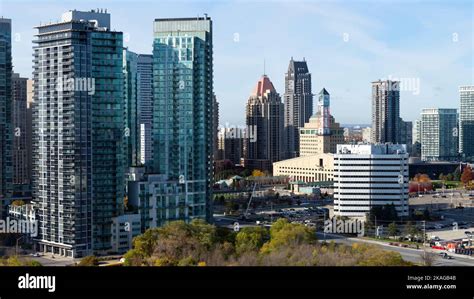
182,117
439,134
466,123
78,159
6,130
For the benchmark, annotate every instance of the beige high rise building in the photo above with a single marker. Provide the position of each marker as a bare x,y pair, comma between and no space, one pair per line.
322,133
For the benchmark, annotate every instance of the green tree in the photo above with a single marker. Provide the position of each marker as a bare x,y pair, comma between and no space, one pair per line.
285,234
134,258
34,264
89,260
449,177
145,243
15,261
392,229
387,212
457,174
173,244
411,230
250,239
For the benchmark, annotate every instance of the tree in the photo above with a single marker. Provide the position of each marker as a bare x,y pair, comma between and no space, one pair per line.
145,243
134,258
422,178
449,177
285,234
392,229
387,212
18,203
257,173
457,174
176,243
89,261
442,177
250,239
426,214
382,258
231,206
246,173
466,176
411,230
286,244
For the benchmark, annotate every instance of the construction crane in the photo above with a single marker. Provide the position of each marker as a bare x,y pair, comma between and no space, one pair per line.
246,214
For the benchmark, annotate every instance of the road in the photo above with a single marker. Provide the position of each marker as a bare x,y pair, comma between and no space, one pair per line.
408,254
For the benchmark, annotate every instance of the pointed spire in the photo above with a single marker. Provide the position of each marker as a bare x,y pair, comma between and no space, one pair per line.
263,85
264,71
324,91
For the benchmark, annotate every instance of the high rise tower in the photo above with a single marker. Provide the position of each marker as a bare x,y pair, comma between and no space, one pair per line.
265,120
6,129
298,101
466,123
183,117
131,109
439,134
21,174
78,133
385,111
145,106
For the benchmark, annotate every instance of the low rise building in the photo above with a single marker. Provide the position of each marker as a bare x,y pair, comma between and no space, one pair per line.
124,229
308,169
368,175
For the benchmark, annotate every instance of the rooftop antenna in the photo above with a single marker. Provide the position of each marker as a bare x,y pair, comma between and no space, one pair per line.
264,71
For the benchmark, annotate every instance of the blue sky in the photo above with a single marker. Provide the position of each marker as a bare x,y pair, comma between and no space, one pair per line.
347,45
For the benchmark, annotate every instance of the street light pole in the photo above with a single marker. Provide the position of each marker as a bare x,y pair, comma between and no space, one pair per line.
16,247
324,229
376,228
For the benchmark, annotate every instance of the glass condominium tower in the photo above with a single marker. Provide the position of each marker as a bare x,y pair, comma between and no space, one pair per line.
466,122
138,107
183,117
145,105
385,111
78,133
6,129
131,109
439,134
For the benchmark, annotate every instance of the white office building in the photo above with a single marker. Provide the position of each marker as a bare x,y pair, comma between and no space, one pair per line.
367,175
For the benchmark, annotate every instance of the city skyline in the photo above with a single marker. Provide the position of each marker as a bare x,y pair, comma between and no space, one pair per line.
348,43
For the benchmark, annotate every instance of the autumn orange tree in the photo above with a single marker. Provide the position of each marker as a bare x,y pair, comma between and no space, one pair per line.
257,173
467,175
422,178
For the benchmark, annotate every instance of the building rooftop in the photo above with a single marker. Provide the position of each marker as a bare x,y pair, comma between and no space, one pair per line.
263,85
371,149
205,18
